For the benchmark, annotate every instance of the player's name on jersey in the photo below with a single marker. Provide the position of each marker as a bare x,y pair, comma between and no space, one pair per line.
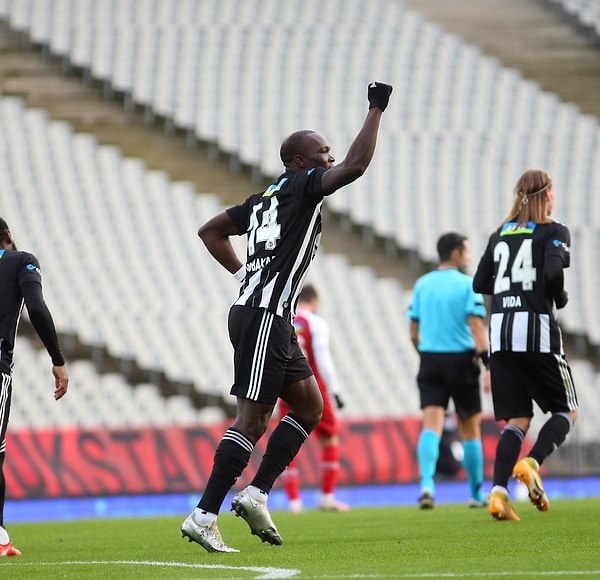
257,264
511,302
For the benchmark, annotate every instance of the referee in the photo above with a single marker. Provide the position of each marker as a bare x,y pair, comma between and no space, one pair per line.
446,327
21,282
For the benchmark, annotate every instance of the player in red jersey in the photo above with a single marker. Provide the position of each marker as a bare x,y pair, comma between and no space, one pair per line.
313,336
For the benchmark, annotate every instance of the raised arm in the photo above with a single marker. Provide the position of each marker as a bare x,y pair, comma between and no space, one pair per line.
362,148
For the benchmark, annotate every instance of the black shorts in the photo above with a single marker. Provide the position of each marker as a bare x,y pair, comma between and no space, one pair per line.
443,376
519,378
267,356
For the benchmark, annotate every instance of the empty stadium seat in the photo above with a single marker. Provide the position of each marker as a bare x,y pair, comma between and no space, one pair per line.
459,131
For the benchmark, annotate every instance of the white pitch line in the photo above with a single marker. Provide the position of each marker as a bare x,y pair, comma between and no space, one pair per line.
397,576
263,573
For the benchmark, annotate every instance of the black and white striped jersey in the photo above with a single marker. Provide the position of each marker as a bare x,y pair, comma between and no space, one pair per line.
283,227
512,269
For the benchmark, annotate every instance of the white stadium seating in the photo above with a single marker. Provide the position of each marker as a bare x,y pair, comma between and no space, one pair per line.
125,268
93,400
127,271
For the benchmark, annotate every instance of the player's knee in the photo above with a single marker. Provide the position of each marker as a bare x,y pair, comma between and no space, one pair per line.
252,424
571,417
311,414
254,431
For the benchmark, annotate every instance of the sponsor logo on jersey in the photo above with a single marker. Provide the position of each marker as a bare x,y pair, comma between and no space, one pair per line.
562,245
512,228
33,267
274,187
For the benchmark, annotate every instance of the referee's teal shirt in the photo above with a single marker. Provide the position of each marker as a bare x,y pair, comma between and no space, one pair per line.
441,302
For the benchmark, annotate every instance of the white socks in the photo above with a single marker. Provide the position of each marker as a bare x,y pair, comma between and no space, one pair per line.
203,518
257,494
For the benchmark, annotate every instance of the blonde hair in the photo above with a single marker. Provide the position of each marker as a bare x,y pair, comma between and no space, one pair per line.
529,204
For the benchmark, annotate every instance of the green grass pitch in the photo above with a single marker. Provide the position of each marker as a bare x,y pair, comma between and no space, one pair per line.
451,541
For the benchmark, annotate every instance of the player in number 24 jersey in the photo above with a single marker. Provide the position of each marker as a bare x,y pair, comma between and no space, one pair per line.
522,269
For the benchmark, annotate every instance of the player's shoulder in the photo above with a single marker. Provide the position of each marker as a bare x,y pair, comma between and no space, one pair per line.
559,226
555,229
305,183
421,283
19,256
463,278
551,224
18,262
425,278
29,258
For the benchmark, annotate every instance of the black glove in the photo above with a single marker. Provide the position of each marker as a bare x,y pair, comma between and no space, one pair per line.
338,402
562,301
379,95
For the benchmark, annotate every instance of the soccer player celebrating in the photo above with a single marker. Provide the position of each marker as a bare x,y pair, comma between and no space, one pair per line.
282,226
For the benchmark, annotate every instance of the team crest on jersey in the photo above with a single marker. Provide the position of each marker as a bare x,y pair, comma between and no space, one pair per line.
511,228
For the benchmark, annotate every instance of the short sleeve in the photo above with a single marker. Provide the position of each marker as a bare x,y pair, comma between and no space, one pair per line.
29,270
559,244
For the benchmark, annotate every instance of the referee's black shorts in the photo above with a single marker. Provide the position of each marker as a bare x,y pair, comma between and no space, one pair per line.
267,355
519,378
450,375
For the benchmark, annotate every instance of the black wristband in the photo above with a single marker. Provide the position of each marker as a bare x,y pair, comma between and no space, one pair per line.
484,357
